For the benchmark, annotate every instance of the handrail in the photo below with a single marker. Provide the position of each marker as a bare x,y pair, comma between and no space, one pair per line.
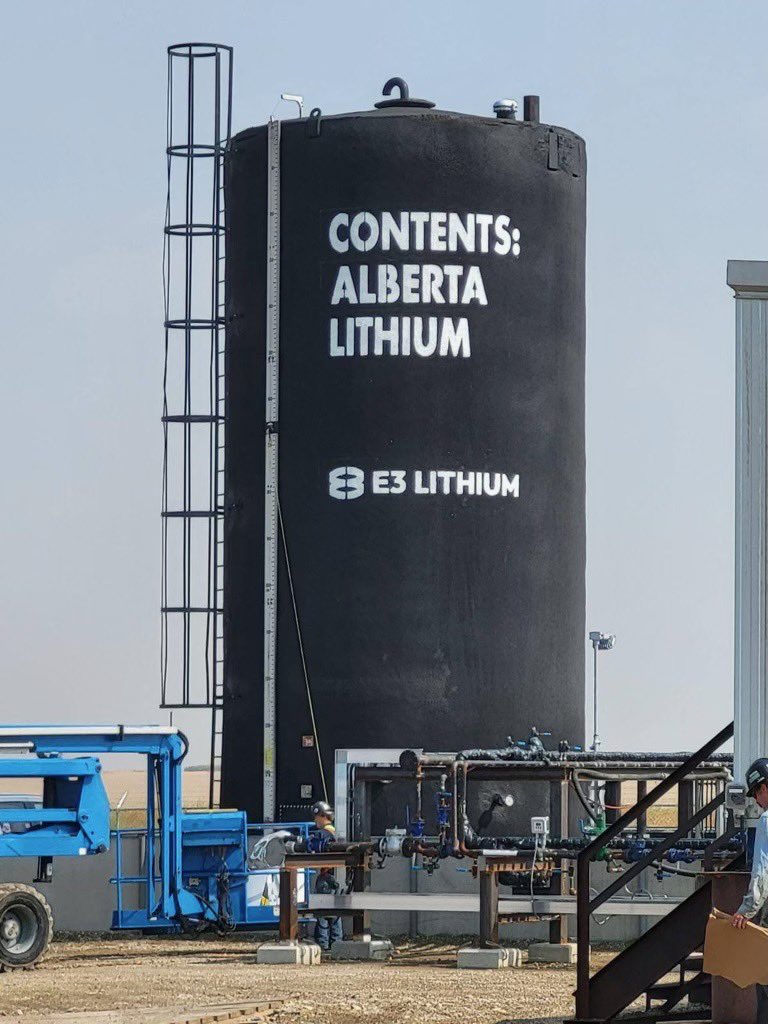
586,907
601,841
657,852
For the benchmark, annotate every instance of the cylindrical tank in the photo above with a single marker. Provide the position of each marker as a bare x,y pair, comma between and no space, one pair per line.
431,437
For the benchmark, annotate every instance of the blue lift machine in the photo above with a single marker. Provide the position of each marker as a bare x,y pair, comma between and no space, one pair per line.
181,871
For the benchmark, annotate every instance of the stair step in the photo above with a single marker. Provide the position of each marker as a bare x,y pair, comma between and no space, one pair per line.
655,1016
694,962
662,989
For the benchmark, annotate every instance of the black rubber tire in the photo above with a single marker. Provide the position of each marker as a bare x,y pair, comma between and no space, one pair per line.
30,908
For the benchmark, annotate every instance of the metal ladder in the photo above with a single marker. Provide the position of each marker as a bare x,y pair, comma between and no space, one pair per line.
217,724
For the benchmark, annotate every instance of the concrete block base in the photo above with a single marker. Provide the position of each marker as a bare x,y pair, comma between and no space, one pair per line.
305,954
552,953
362,949
488,959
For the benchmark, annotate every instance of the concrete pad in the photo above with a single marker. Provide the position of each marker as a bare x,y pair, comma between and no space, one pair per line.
552,953
362,949
488,959
305,954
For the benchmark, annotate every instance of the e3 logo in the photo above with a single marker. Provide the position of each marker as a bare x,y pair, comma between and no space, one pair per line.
346,482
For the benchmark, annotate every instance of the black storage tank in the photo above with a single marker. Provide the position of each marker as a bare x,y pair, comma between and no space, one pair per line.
431,436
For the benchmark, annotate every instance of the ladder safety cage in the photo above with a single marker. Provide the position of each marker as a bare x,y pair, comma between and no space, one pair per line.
199,124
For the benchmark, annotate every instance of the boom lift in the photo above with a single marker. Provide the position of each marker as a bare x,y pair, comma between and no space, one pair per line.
193,872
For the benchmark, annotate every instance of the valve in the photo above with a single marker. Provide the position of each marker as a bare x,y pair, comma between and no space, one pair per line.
443,804
416,828
535,739
391,843
318,840
591,829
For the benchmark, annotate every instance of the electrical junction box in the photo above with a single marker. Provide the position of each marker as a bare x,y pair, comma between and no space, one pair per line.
738,803
736,798
540,826
744,808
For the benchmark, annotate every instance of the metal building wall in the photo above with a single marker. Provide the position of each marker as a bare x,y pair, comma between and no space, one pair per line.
749,280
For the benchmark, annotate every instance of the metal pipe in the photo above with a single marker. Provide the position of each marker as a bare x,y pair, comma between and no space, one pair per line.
595,735
590,773
454,809
464,849
531,109
411,759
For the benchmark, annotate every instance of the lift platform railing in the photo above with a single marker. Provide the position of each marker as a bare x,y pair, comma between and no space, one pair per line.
141,871
587,906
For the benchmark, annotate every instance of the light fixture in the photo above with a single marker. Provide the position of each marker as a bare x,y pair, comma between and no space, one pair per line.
600,642
497,800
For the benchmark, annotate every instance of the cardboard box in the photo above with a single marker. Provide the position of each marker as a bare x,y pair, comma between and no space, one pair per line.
738,954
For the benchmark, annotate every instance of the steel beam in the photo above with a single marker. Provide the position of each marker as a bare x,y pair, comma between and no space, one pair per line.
289,914
469,903
489,908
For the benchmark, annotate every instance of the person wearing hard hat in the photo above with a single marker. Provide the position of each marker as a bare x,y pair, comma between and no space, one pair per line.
327,929
755,902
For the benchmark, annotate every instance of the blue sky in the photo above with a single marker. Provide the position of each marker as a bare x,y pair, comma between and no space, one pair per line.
672,100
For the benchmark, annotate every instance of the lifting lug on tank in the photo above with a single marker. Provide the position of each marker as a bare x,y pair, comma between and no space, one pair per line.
314,122
404,99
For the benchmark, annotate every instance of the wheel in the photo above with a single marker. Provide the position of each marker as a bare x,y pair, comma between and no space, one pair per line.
26,926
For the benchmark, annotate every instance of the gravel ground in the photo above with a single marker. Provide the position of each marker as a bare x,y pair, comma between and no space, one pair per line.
135,981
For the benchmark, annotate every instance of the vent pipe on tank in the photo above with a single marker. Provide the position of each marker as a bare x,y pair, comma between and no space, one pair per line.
505,110
531,109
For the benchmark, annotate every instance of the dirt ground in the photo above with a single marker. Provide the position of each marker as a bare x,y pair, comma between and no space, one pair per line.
137,981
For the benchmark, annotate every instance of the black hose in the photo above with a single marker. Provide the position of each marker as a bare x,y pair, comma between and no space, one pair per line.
182,736
583,800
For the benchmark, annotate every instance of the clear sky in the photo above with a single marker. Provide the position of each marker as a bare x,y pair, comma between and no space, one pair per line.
672,99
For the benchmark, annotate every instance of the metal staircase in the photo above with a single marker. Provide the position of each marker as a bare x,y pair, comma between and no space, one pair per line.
692,983
673,944
637,970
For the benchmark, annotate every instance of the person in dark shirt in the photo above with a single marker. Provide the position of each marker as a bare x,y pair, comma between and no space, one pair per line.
327,929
